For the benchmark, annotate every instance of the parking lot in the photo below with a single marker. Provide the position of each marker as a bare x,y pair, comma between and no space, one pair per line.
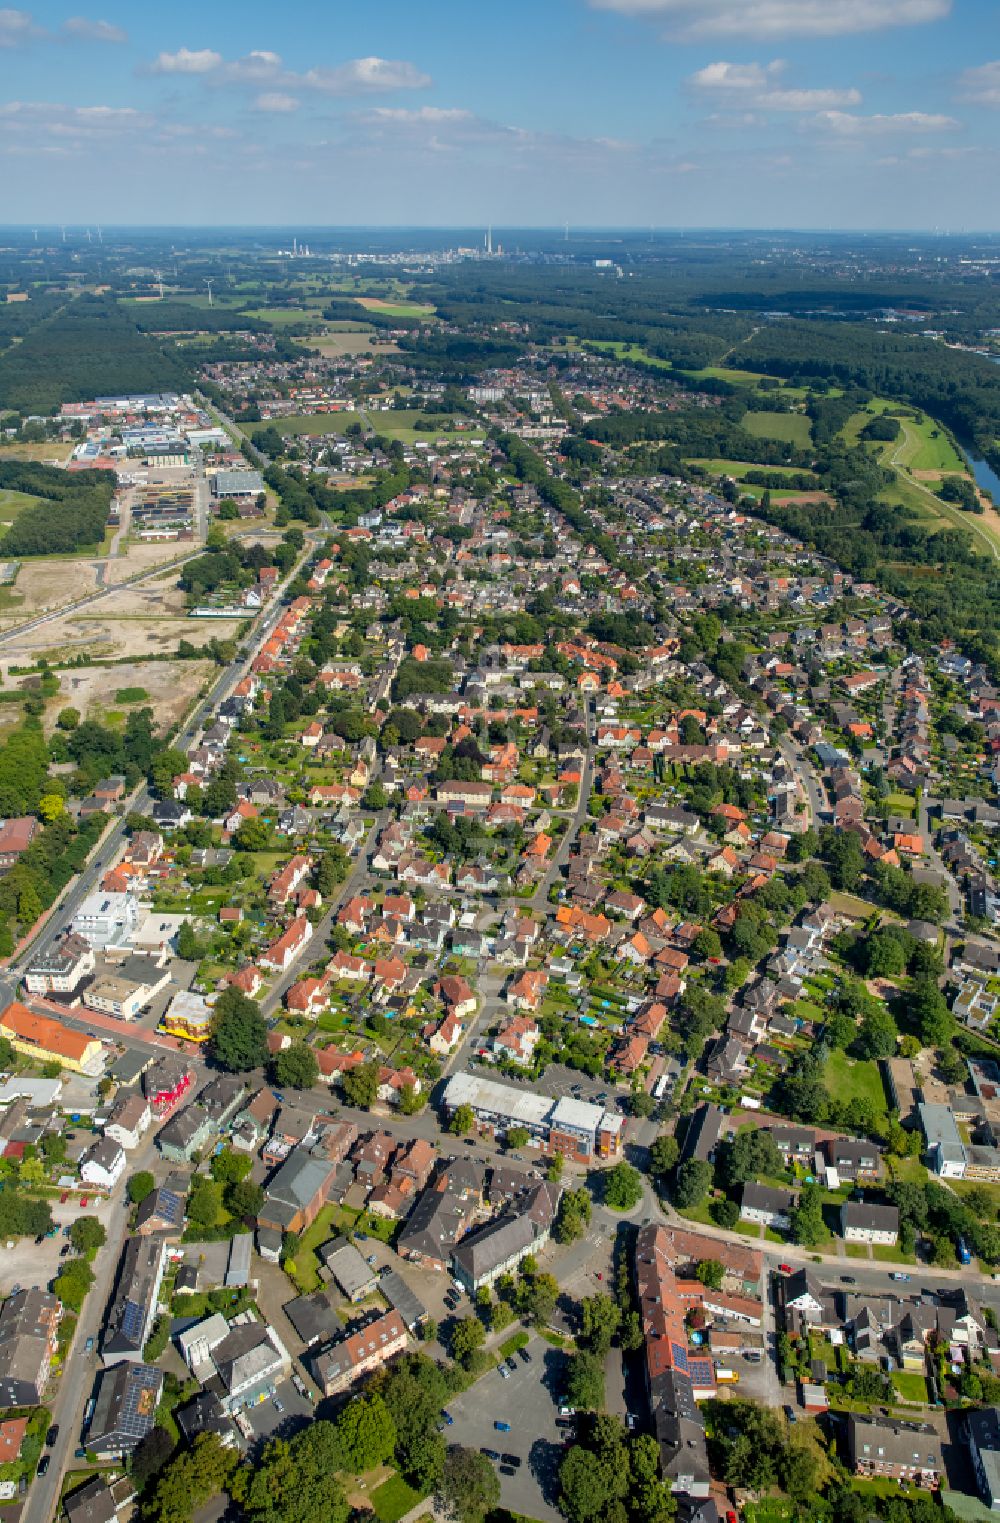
266,1421
528,1400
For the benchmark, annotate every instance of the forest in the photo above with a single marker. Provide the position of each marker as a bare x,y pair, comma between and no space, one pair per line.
71,516
87,348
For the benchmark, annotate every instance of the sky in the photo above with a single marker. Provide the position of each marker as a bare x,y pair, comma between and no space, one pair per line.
666,113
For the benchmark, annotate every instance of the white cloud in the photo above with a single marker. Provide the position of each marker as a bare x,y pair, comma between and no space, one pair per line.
276,103
358,76
362,75
734,76
807,100
692,19
750,84
844,124
187,61
93,31
435,115
16,27
981,84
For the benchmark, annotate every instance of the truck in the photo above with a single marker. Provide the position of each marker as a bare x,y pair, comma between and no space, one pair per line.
725,1375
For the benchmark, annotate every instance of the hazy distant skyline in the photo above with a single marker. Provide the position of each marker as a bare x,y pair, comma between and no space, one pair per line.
752,113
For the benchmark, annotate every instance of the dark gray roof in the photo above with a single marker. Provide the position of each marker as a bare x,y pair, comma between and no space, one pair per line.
125,1407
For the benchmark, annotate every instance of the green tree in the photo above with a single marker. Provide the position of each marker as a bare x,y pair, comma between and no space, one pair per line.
467,1338
366,1434
664,1153
877,1035
469,1487
585,1381
244,1199
600,1319
462,1121
710,1272
622,1186
193,1477
72,1283
573,1215
87,1234
517,1137
360,1086
238,1040
295,1481
204,1202
694,1179
140,1185
537,1295
296,1067
807,1217
229,1167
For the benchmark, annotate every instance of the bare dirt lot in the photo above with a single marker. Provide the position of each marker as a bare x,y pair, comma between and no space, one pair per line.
52,451
41,585
142,558
171,687
335,344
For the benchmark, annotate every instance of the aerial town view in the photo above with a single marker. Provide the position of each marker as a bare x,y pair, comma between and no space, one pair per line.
500,764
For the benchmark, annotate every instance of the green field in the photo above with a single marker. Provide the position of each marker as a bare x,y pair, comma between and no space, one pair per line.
283,316
400,423
738,468
794,427
926,447
623,351
13,503
846,1077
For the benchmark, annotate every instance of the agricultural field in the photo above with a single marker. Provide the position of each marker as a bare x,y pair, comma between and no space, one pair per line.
794,427
624,351
336,342
398,308
738,468
927,449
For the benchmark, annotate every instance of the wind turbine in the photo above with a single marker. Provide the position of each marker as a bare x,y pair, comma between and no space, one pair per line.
100,237
64,235
89,235
35,231
209,284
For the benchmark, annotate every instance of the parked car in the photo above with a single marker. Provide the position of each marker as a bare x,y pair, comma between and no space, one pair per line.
512,1459
507,1470
524,1355
511,1362
277,1404
447,1416
848,1279
491,1454
43,1464
897,1274
88,1347
501,1427
565,1411
52,1435
785,1268
504,1372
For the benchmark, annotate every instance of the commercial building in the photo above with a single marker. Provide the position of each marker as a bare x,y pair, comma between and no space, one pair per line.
60,969
237,484
576,1128
982,1430
41,1037
107,919
188,1016
244,1359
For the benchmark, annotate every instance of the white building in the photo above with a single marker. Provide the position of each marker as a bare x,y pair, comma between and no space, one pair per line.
103,1164
105,920
861,1223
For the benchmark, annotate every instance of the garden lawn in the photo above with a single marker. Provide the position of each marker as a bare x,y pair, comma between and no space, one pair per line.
394,1499
848,1077
910,1384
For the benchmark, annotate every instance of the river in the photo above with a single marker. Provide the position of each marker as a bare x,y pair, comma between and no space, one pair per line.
986,476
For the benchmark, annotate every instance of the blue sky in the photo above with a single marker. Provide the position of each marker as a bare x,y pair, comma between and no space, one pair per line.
739,113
